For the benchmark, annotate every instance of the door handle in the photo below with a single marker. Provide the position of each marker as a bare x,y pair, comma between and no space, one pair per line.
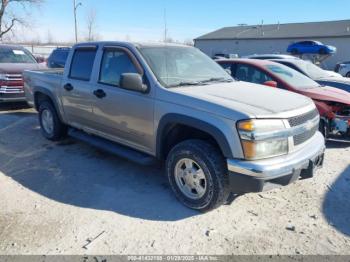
99,93
68,87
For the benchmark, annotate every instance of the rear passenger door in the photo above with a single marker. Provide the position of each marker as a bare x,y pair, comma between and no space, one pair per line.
122,115
77,89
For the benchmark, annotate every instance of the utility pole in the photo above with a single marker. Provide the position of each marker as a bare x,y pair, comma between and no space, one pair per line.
165,27
75,7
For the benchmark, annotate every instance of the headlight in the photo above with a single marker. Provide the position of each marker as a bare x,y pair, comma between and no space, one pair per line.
261,138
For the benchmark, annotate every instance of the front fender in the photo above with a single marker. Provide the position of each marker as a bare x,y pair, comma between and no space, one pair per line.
171,119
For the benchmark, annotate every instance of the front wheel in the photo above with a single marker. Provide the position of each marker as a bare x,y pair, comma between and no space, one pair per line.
348,74
323,51
198,175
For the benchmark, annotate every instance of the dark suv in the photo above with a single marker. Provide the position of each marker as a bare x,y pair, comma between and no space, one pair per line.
58,57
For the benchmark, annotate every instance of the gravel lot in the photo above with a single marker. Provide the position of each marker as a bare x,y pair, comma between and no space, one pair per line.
56,196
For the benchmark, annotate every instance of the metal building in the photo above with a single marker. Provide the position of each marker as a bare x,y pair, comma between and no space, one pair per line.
266,39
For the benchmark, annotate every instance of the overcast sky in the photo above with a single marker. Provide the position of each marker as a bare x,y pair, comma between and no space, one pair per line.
143,20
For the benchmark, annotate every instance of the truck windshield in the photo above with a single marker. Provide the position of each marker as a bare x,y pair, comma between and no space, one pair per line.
292,77
9,55
182,66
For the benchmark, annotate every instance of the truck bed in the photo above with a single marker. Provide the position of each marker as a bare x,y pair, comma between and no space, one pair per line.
50,79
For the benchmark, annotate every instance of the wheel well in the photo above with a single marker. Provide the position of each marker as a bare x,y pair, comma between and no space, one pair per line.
177,133
39,98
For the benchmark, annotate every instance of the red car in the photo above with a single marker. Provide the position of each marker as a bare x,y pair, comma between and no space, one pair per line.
333,104
13,61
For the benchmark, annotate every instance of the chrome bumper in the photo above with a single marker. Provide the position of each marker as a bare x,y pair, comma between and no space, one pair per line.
281,166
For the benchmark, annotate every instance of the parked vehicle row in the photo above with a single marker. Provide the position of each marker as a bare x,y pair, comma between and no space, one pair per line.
343,69
333,104
217,136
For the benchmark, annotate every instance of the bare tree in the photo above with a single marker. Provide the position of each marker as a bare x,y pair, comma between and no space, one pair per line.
91,23
8,18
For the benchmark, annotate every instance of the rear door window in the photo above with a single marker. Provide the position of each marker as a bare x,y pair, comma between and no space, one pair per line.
251,74
82,64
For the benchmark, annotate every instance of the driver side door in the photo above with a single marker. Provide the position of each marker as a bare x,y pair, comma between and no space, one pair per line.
124,116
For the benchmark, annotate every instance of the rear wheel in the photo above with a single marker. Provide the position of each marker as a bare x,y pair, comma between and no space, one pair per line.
51,126
198,175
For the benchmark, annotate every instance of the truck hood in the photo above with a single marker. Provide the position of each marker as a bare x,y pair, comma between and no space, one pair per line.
328,94
242,97
14,68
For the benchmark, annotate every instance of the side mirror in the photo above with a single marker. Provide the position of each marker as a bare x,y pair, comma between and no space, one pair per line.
132,81
271,84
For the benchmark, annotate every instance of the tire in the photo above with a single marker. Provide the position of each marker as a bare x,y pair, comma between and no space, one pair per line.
214,175
323,128
323,51
56,129
348,74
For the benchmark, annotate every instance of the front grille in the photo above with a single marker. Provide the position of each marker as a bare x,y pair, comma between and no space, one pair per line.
12,84
300,120
302,138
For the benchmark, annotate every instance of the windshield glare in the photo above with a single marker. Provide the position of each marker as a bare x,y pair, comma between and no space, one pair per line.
8,55
312,70
174,66
292,77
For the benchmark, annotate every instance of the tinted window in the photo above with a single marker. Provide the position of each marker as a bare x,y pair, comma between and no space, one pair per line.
82,63
251,74
58,58
61,55
114,64
227,68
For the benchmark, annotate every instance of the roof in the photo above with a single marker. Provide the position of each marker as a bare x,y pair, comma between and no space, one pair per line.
246,61
339,28
135,44
271,56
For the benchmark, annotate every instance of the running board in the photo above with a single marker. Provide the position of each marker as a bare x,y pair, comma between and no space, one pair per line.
113,148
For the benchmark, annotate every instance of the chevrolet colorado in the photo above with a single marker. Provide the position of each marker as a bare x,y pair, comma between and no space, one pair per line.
144,102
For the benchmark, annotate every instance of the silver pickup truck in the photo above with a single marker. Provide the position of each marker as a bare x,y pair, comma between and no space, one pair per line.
218,137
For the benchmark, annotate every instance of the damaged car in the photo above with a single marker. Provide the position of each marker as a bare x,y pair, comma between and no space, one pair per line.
333,104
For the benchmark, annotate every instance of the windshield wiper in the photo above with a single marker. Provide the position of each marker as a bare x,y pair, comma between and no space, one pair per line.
217,79
184,83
